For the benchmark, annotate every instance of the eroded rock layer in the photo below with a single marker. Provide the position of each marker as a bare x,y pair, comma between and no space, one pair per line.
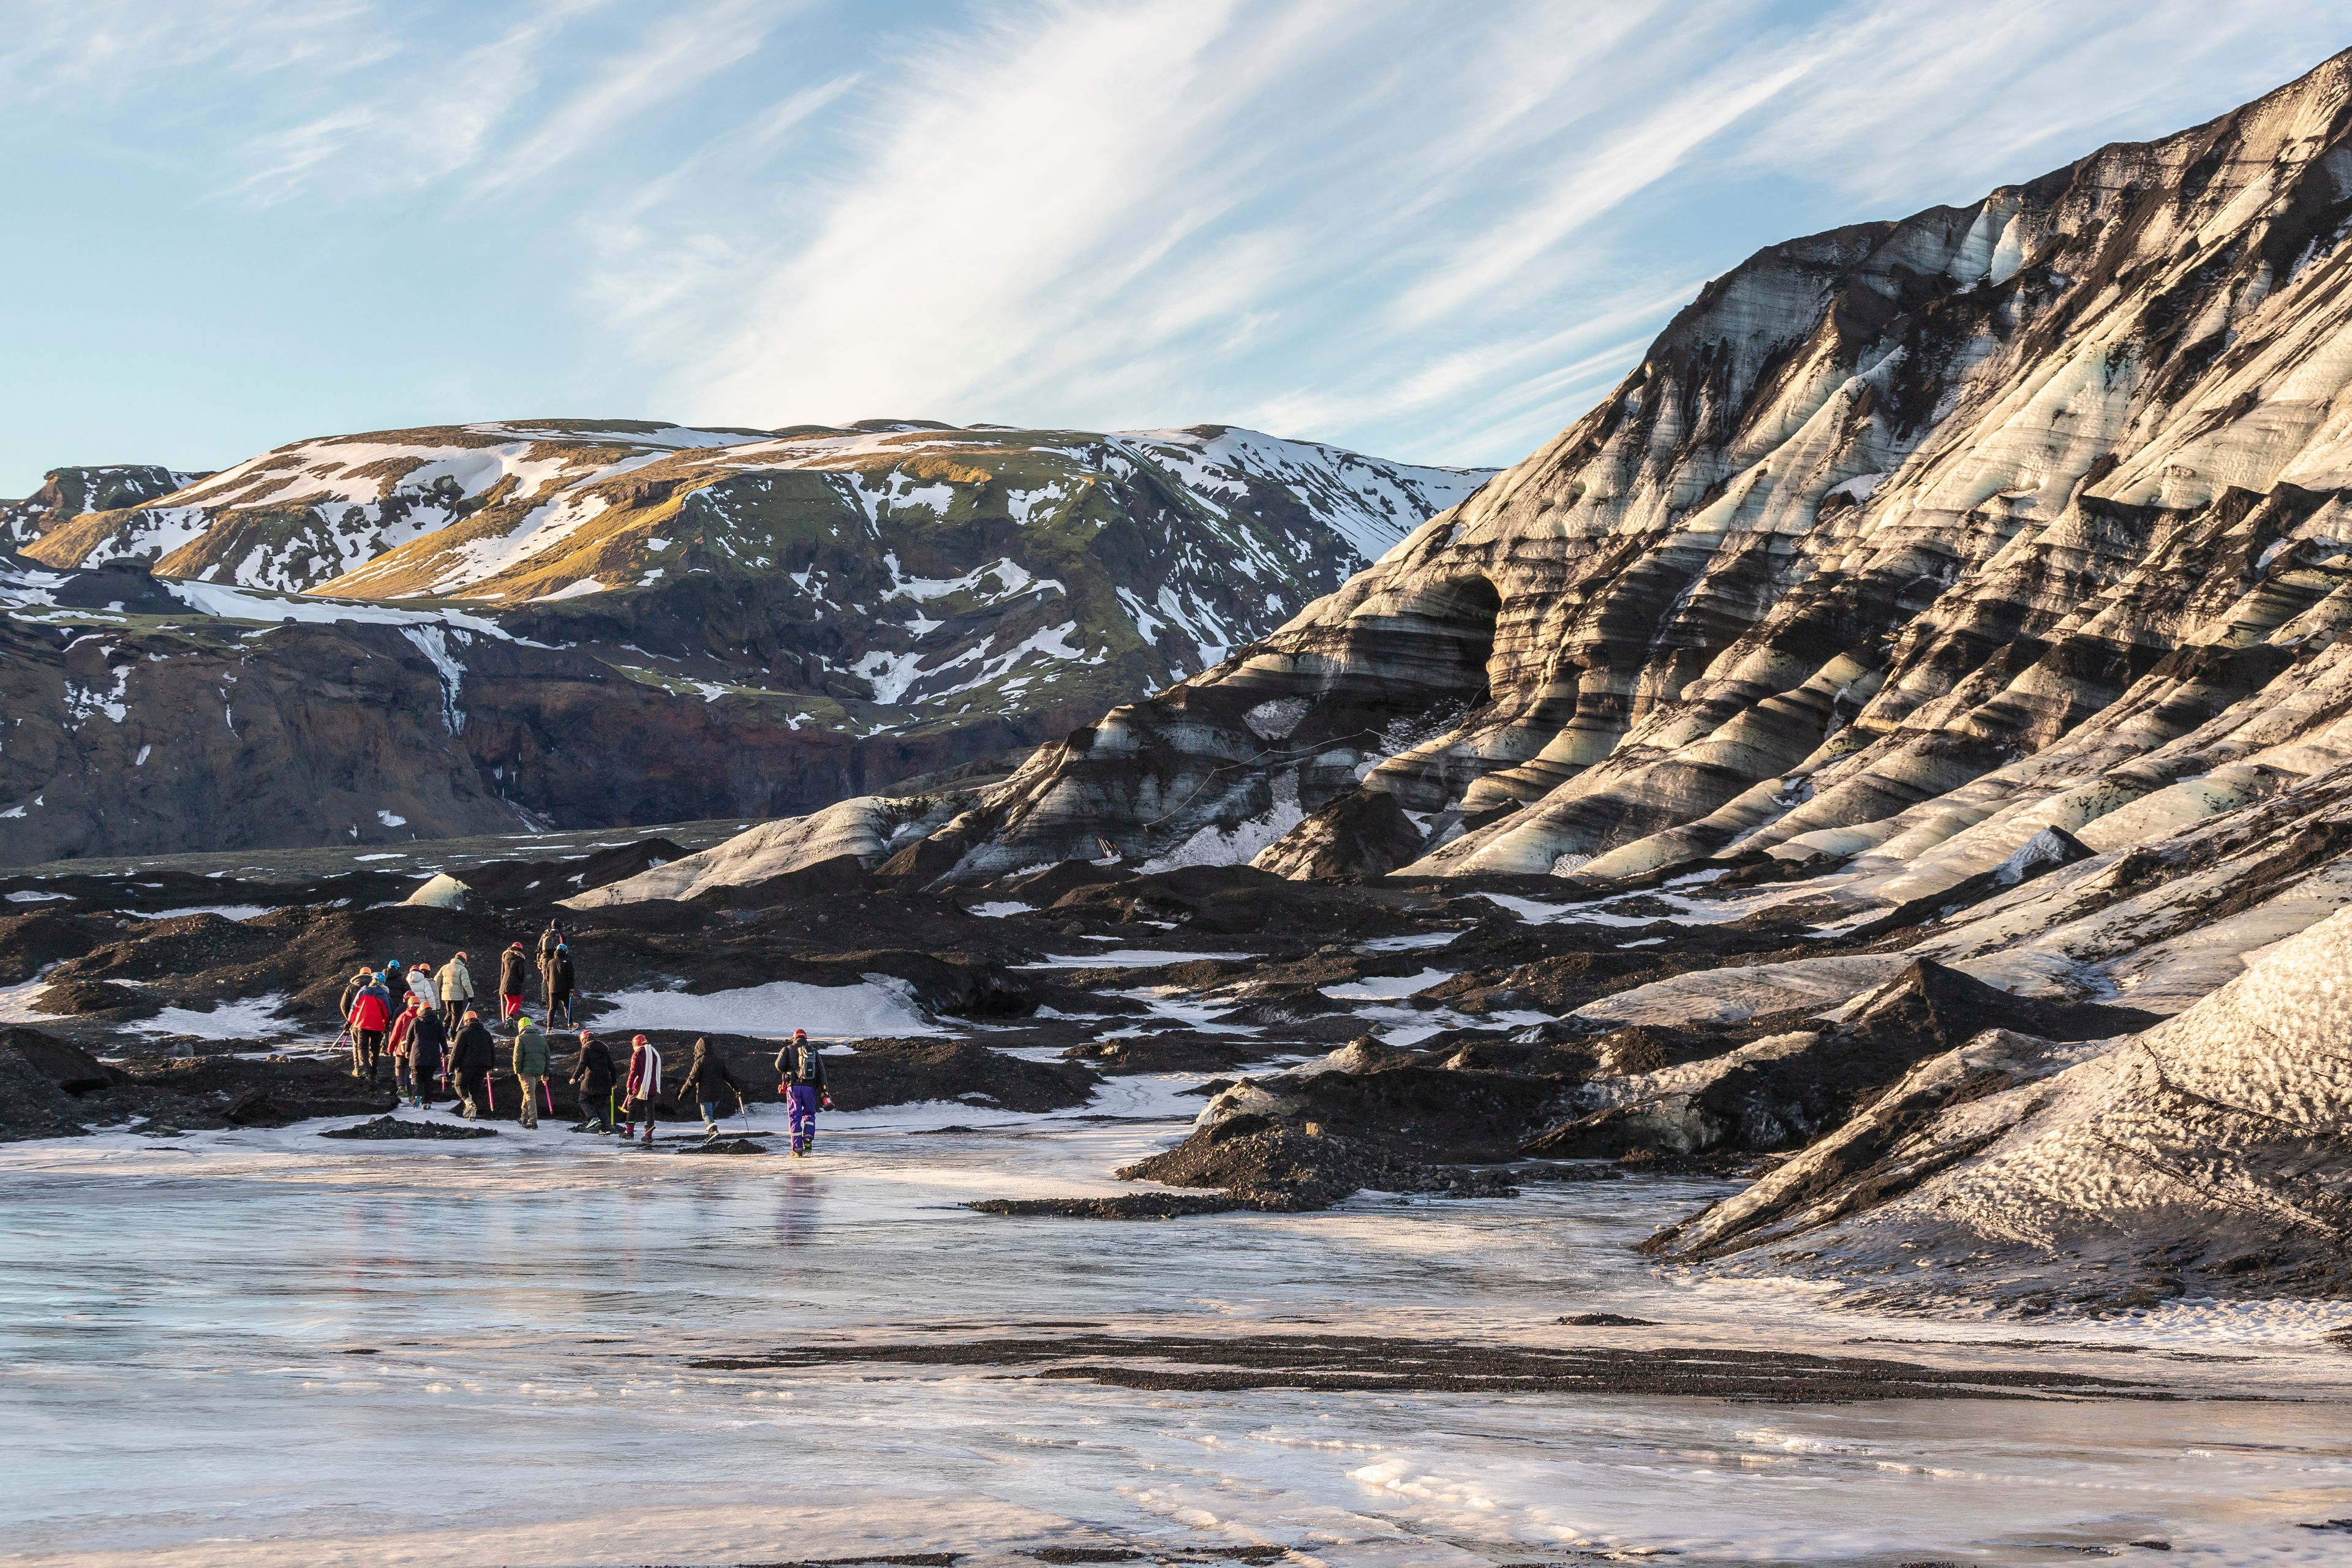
1895,529
1964,593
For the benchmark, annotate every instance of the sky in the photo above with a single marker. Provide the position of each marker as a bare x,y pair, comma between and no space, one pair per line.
1430,231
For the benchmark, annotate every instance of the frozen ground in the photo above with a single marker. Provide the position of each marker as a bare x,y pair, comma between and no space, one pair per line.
260,1348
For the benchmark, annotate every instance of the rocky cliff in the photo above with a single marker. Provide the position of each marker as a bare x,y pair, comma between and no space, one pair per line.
1967,587
1895,529
425,632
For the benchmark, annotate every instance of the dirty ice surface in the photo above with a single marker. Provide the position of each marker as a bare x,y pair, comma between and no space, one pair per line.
262,1347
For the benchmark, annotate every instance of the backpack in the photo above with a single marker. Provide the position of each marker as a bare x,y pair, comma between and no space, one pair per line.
798,1063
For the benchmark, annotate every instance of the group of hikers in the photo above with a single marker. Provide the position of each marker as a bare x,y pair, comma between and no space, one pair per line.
424,1023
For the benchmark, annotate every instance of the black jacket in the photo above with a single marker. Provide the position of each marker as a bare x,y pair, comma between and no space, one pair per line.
705,1075
475,1050
799,1062
429,1037
594,1072
556,975
514,972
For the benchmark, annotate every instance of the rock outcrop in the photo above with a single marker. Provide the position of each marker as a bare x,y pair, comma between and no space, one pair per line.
1783,1090
1364,833
2212,1150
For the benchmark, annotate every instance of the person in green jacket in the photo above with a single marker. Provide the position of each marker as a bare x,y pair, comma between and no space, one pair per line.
530,1066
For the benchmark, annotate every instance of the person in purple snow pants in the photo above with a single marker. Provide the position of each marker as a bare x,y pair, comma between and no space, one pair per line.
799,1077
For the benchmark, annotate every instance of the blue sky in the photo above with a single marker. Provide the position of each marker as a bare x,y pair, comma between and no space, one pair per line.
1430,231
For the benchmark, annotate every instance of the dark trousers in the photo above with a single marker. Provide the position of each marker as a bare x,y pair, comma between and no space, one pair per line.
367,1048
474,1088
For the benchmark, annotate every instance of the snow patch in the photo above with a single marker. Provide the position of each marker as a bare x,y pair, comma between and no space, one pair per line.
880,1004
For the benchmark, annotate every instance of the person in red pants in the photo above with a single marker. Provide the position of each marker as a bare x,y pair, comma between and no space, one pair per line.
514,970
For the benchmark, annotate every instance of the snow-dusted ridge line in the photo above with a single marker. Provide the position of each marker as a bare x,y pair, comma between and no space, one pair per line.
462,509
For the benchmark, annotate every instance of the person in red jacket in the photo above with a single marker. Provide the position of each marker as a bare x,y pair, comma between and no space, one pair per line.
395,1045
641,1086
370,1017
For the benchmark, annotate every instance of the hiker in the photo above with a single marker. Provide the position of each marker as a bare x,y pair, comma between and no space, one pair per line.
799,1070
549,941
556,975
428,1045
351,989
395,1045
641,1087
471,1057
456,988
530,1066
706,1076
591,1076
514,965
370,1017
420,986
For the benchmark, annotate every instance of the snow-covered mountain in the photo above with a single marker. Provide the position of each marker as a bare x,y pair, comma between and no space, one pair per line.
68,493
786,618
888,566
1982,576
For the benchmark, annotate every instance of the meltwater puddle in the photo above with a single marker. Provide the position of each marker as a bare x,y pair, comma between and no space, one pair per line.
263,1348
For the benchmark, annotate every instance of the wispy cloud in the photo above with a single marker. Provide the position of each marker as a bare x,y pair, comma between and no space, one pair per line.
1141,200
103,49
1015,182
1435,232
1622,165
675,56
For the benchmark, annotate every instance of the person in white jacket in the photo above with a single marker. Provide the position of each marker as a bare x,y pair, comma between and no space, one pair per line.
420,986
456,988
